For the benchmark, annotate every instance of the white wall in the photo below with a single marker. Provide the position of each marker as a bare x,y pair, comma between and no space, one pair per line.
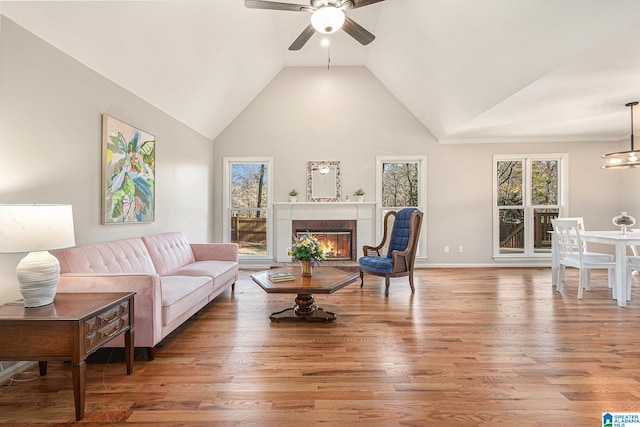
346,114
50,140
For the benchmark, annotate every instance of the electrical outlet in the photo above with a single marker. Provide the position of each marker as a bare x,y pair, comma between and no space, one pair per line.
460,249
446,249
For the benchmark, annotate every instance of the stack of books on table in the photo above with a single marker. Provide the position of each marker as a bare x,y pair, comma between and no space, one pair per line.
281,277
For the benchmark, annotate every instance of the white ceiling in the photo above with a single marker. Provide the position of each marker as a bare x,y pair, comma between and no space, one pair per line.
469,70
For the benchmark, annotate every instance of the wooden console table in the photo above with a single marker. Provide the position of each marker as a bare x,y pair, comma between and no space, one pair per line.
72,327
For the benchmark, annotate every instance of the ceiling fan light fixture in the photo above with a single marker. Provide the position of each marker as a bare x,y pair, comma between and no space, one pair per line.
623,159
327,19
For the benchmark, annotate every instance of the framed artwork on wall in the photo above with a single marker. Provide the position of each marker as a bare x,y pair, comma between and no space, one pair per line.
128,173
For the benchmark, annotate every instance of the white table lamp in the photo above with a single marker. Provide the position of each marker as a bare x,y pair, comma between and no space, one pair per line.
36,229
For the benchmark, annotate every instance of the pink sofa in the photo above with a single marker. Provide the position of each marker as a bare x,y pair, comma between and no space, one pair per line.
172,278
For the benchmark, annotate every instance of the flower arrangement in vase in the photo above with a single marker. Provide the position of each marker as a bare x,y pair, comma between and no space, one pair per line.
308,251
359,193
293,195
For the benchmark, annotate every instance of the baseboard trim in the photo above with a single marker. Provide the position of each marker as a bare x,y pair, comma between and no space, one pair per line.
546,264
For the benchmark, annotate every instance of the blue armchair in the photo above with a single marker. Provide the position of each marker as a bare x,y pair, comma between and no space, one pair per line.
400,240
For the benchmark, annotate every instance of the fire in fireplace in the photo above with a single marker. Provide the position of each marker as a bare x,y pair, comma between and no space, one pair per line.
335,243
337,237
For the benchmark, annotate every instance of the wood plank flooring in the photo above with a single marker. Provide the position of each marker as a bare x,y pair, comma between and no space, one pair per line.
470,347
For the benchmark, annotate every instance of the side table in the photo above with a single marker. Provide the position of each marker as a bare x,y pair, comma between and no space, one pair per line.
71,328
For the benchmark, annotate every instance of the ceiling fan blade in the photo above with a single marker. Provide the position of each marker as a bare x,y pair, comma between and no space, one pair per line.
357,31
362,3
303,38
274,5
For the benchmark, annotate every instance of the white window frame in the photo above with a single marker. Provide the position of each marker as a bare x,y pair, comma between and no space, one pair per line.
226,220
422,197
528,208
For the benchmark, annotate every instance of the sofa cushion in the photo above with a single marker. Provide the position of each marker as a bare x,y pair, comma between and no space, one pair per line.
220,271
169,251
180,293
119,256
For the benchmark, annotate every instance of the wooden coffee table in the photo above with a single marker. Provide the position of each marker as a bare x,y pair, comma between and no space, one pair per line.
325,280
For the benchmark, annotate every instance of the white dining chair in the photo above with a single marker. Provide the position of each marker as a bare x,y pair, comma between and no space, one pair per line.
560,271
633,266
635,250
582,228
572,253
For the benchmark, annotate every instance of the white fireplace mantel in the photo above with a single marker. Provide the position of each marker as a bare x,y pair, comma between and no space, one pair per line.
285,213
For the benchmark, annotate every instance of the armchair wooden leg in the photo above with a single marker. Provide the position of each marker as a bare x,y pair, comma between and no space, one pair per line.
386,286
151,353
361,278
413,290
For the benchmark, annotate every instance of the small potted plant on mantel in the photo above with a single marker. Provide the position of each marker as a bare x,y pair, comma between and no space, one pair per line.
359,195
293,196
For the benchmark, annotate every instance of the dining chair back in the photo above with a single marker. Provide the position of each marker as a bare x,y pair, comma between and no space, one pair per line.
572,253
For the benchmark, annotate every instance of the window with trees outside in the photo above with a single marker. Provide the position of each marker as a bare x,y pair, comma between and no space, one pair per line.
401,183
528,193
248,211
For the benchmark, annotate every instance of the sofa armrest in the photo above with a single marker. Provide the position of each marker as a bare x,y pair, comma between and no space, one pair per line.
215,251
147,301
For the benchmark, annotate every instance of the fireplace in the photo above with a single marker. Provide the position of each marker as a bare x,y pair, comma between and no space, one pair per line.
362,217
337,237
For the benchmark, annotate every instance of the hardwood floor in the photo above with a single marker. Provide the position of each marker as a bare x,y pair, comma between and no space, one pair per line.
470,347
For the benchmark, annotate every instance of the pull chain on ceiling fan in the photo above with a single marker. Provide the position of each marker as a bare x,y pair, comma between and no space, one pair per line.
328,16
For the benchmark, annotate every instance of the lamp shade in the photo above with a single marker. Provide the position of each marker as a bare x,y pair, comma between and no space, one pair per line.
30,228
36,229
327,19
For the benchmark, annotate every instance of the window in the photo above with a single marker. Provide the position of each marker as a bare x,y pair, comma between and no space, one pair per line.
248,207
401,181
528,194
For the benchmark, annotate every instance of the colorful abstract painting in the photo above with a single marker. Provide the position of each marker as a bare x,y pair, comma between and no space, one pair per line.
128,173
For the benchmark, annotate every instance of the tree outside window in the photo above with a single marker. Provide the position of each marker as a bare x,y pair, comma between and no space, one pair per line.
399,184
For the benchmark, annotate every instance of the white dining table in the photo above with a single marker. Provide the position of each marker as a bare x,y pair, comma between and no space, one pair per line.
620,241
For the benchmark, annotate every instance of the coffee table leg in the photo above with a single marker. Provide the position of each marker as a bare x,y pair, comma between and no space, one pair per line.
305,309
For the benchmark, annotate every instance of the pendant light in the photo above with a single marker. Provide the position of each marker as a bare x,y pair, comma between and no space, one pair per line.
623,159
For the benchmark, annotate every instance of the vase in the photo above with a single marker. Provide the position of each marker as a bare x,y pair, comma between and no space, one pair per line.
624,221
305,268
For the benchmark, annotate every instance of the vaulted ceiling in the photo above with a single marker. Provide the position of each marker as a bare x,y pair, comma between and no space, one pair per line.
469,70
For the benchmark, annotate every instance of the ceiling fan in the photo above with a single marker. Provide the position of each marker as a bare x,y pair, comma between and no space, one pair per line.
328,16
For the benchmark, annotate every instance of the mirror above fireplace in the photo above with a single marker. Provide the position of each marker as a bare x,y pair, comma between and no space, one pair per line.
323,181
